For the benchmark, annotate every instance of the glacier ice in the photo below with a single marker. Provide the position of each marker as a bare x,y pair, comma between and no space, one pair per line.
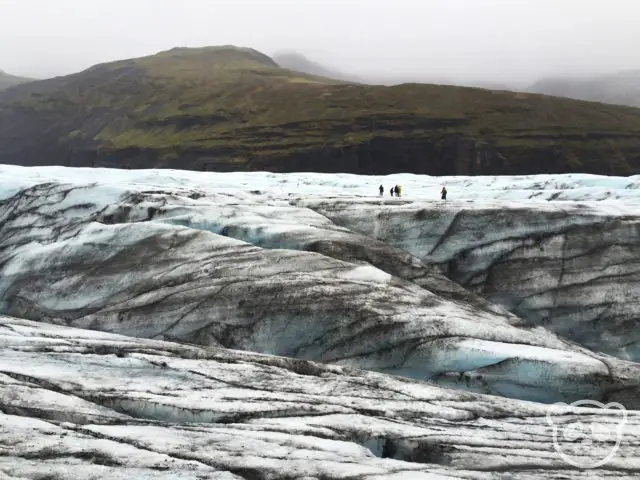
574,269
87,404
170,263
513,289
119,263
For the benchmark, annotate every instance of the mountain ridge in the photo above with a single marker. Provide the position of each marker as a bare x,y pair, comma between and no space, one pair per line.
231,108
619,88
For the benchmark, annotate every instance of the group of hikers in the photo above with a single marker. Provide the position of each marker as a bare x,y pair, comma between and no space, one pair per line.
397,191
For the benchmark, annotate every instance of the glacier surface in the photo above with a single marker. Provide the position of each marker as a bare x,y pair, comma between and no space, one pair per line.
78,404
517,287
160,265
573,268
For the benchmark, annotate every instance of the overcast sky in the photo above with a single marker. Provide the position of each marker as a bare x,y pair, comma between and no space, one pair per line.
486,40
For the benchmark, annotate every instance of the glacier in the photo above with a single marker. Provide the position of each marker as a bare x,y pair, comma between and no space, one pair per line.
87,404
515,290
573,268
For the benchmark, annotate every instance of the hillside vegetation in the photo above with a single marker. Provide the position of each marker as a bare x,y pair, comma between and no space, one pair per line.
227,108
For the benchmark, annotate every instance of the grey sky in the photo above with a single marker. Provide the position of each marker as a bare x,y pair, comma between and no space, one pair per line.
487,40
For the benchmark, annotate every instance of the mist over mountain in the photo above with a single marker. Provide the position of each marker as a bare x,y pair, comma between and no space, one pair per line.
7,80
297,62
621,88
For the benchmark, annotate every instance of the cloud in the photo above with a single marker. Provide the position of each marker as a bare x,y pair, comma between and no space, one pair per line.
488,40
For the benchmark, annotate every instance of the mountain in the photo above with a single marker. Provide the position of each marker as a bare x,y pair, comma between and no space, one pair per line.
620,88
299,63
7,80
230,108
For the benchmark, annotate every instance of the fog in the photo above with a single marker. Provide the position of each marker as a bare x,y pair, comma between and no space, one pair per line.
515,41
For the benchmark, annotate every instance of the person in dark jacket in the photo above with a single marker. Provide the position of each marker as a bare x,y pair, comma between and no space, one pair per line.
391,191
444,193
381,190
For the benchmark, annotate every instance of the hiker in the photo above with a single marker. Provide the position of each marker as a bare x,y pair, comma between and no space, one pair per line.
398,190
444,193
381,190
391,191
